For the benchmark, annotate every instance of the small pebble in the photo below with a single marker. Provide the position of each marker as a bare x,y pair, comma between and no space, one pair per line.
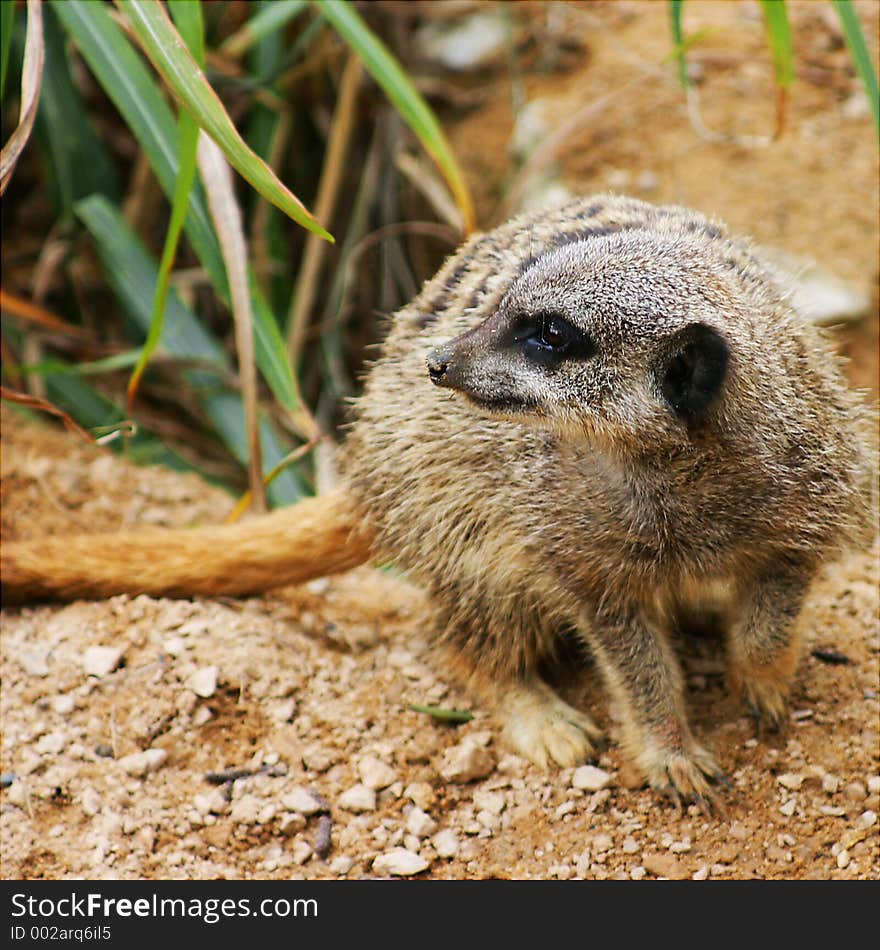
140,764
867,819
420,823
375,773
99,661
204,681
855,792
358,798
466,762
420,794
843,858
445,843
665,865
302,801
400,863
637,873
588,778
63,704
788,808
341,864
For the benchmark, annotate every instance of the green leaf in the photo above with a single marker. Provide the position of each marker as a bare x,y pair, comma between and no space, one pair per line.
132,274
388,73
443,715
189,17
78,162
852,30
270,19
7,20
123,76
187,82
675,12
779,34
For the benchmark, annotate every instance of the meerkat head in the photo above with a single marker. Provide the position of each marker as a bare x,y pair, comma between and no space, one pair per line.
620,338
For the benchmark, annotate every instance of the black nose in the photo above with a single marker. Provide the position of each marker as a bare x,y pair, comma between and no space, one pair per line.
438,363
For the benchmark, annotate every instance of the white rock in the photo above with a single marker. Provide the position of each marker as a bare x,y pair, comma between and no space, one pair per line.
358,798
638,873
843,858
445,843
588,778
99,661
602,843
341,864
214,802
302,801
400,863
301,852
246,810
204,681
874,784
174,646
420,823
492,802
35,662
140,764
375,773
51,743
421,794
867,819
90,802
63,704
788,808
466,762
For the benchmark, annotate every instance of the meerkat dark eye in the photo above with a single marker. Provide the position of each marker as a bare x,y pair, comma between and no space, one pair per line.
551,332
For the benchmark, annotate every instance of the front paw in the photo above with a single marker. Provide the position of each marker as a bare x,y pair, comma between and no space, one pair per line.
688,775
765,690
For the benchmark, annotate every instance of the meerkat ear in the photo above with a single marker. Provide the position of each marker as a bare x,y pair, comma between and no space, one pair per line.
692,369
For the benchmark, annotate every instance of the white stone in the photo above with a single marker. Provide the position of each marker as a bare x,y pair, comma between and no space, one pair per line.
64,704
445,843
341,864
246,810
400,863
99,661
35,662
638,873
174,646
90,802
421,794
375,773
51,743
358,798
301,852
492,802
140,764
588,778
788,808
420,823
843,858
466,762
873,784
204,681
301,800
867,819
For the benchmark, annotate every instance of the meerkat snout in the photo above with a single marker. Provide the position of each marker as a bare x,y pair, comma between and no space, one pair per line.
438,364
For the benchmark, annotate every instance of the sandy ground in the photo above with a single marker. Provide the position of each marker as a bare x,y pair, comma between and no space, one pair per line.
278,735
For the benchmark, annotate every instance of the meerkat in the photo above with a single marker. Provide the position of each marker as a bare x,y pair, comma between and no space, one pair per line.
593,421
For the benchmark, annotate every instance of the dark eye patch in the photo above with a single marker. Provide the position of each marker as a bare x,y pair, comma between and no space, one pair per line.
549,338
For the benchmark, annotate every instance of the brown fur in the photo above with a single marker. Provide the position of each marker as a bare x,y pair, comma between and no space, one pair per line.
696,452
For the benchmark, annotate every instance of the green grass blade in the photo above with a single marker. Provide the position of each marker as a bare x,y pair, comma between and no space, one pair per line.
852,30
271,18
779,35
189,18
78,162
7,20
132,275
162,44
387,72
675,12
123,76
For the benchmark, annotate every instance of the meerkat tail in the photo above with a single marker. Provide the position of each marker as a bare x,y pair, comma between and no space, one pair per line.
315,537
